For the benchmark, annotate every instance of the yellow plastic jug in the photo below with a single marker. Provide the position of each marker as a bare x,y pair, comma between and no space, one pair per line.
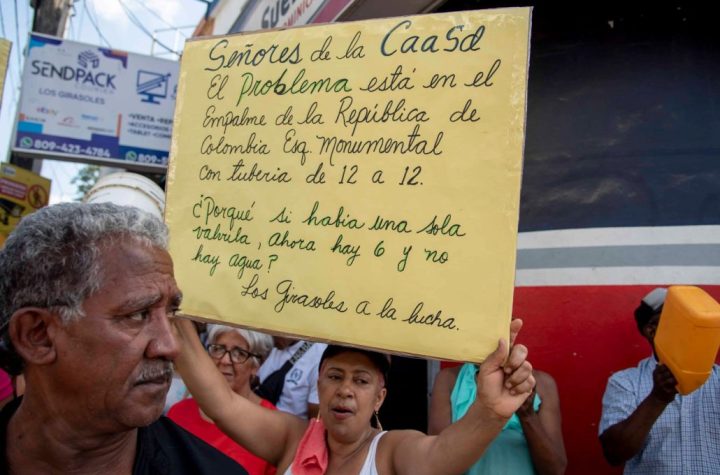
688,336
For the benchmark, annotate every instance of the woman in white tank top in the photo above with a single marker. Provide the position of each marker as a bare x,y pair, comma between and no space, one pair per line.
368,467
345,438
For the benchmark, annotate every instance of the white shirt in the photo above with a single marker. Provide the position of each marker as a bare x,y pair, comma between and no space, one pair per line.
300,388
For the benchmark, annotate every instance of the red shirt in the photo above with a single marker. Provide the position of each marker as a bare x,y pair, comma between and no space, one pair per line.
186,414
6,389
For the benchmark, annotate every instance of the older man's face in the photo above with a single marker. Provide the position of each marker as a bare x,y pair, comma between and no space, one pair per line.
116,360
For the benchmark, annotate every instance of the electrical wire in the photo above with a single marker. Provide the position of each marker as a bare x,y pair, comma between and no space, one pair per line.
62,167
13,88
140,26
80,20
2,22
94,24
71,33
20,48
17,37
24,50
157,15
28,16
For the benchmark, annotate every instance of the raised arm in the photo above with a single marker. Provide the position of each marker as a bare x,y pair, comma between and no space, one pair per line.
504,381
623,440
270,435
542,429
440,405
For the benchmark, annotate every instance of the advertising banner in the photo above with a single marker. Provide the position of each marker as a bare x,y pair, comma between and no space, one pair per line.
354,182
85,103
21,193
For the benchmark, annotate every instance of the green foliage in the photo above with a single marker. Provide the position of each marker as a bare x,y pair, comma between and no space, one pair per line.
85,179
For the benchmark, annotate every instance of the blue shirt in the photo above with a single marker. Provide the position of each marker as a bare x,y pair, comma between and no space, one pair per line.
686,436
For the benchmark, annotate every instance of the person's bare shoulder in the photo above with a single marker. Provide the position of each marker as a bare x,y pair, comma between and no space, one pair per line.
394,437
392,446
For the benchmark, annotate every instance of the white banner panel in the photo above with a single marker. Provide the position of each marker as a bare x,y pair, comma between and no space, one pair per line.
83,102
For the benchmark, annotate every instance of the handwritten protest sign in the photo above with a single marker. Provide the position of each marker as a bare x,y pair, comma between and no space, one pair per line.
357,182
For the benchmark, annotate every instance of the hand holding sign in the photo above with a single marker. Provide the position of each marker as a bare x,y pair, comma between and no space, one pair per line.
505,378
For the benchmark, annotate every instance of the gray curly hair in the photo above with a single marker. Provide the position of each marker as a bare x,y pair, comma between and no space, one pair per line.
51,260
258,343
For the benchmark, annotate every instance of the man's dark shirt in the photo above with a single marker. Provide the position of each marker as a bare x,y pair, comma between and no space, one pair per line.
163,448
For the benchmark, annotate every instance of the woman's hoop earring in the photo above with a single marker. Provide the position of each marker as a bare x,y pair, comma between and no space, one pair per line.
377,421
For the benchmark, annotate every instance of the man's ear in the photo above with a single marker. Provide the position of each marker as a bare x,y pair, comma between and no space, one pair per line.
648,331
32,332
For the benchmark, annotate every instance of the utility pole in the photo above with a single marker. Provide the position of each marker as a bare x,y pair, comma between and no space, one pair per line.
50,19
50,16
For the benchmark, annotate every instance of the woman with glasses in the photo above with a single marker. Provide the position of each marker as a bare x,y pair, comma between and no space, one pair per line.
237,353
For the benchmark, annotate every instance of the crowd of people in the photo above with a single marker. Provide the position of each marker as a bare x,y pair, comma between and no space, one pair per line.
87,317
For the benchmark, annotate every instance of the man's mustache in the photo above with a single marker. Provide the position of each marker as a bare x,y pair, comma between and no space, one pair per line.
160,371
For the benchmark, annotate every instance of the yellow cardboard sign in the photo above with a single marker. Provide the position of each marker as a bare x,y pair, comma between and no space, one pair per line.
21,193
354,182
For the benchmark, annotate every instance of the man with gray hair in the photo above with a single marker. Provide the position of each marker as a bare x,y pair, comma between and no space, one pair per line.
86,296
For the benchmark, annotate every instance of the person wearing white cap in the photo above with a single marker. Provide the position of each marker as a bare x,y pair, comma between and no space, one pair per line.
647,425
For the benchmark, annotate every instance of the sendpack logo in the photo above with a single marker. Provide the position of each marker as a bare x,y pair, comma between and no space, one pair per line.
86,73
88,59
